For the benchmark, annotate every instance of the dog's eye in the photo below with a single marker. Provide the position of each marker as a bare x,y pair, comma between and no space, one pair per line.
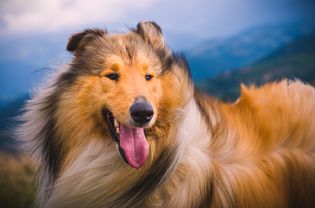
148,77
112,76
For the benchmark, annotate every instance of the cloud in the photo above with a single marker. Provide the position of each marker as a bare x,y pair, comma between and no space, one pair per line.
199,18
52,15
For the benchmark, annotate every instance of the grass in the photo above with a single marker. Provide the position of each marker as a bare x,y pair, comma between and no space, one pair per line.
17,184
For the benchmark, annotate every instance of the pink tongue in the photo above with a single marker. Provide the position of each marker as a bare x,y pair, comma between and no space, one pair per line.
134,144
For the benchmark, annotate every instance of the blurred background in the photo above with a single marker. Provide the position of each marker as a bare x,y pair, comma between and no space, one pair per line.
226,42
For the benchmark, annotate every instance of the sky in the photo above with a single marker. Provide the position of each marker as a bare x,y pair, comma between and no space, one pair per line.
203,18
34,33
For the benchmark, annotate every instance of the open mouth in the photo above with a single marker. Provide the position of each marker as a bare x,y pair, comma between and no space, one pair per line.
131,141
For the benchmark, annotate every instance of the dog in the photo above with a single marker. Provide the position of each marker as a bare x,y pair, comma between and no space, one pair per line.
122,125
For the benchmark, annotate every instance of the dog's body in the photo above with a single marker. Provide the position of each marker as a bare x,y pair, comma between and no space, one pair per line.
193,151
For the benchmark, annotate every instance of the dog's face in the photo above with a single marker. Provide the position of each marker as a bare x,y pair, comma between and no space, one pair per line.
131,91
122,85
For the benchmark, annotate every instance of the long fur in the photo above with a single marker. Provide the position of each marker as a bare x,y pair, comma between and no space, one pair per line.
257,152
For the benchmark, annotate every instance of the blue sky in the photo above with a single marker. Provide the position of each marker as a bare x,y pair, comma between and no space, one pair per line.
35,32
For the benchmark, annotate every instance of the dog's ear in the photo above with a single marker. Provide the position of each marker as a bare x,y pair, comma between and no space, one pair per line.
79,40
151,33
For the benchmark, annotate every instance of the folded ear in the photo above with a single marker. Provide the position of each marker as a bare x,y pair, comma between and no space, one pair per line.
79,40
151,33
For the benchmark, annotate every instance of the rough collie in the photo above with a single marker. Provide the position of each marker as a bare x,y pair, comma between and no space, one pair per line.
123,126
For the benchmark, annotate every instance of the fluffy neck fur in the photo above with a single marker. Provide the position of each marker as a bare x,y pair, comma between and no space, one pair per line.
189,181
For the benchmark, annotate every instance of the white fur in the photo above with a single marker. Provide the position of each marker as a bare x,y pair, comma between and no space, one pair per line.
194,139
93,174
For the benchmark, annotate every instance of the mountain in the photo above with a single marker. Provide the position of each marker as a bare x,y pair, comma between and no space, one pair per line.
293,61
212,57
8,112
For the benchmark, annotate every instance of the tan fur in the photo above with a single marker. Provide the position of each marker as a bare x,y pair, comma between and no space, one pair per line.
257,152
271,147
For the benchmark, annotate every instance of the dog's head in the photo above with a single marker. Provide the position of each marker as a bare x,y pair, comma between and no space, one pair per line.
127,86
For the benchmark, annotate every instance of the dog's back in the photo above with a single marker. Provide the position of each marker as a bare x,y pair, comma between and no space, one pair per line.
281,114
271,153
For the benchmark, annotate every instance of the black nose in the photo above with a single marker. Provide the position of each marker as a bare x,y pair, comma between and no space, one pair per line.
141,112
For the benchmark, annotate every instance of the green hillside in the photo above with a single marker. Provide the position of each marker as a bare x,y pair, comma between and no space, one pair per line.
212,57
294,61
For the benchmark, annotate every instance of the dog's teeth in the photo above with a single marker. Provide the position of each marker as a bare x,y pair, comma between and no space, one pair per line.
117,130
116,124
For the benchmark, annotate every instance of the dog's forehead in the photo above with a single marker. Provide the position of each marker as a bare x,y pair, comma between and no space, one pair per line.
138,61
129,49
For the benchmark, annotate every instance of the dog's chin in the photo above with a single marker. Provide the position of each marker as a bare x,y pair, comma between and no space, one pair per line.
130,138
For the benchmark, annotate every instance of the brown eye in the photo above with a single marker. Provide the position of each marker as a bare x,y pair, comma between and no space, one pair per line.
112,76
148,77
